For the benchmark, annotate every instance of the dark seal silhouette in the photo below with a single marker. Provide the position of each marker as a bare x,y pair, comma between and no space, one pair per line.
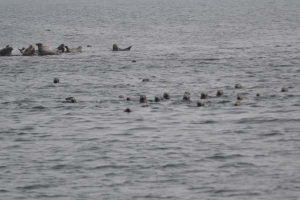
56,80
70,100
166,95
157,99
128,110
204,95
200,104
143,99
6,51
116,48
220,93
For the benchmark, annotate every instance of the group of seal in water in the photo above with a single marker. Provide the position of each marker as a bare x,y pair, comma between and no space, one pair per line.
6,51
199,103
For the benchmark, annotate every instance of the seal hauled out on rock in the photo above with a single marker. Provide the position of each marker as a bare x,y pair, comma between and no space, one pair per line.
6,51
73,50
45,50
30,51
116,48
65,49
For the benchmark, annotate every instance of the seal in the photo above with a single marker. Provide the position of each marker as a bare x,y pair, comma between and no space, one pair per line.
200,104
128,110
239,97
116,48
143,99
186,96
157,99
219,93
61,48
204,95
6,51
56,80
237,103
166,95
70,100
73,50
45,50
30,51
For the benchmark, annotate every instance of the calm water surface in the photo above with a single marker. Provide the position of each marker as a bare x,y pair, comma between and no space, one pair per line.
168,150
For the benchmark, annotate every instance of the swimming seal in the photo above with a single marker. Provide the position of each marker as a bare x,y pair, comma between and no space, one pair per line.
186,96
220,93
157,99
70,100
128,110
6,51
204,95
166,95
56,80
200,104
143,99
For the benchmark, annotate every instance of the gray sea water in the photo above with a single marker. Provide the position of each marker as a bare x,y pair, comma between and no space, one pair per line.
167,150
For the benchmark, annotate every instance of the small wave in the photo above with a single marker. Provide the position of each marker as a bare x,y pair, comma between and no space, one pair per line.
43,196
266,120
33,187
238,165
22,140
152,196
224,157
111,167
173,165
56,167
271,134
38,108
